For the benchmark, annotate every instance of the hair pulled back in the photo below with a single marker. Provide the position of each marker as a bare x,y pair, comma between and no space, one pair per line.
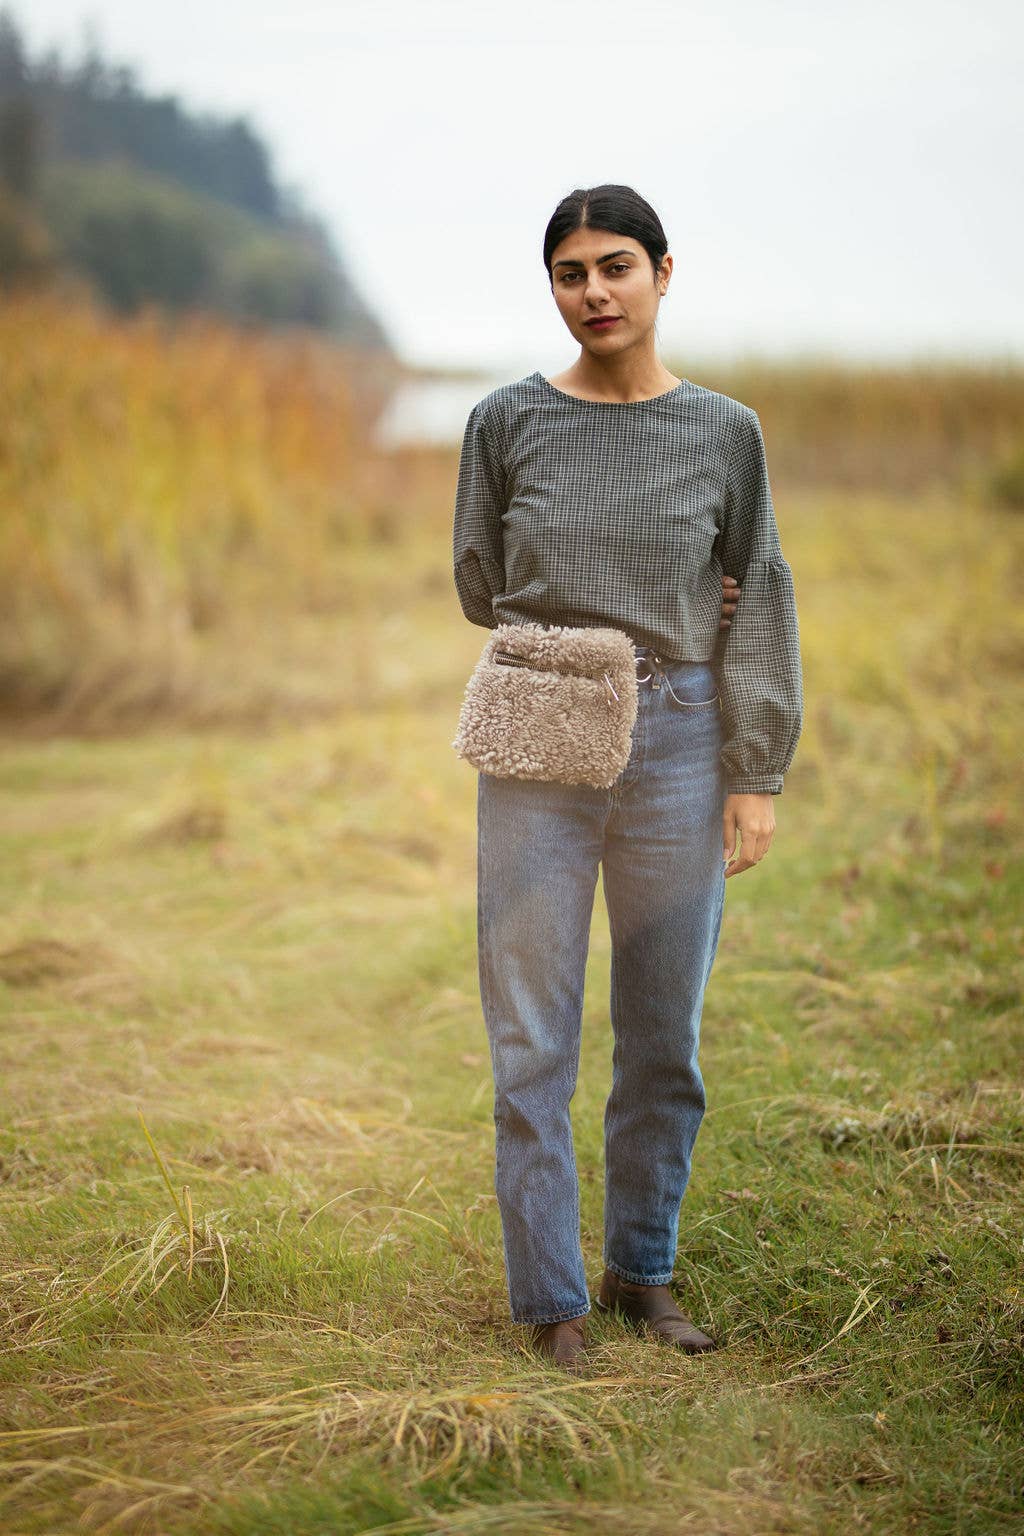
616,208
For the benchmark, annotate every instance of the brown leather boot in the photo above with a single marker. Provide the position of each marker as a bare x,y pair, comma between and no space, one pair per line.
563,1343
651,1309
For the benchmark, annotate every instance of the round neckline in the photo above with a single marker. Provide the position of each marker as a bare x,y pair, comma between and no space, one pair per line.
579,400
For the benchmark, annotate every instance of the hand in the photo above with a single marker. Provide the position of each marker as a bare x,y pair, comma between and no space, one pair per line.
730,597
753,817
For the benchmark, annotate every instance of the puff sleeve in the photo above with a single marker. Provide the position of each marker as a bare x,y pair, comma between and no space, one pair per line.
757,661
480,500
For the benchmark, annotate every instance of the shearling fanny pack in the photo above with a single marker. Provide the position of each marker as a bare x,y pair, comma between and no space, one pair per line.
554,703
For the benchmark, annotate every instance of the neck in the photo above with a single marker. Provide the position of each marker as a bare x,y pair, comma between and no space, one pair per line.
623,376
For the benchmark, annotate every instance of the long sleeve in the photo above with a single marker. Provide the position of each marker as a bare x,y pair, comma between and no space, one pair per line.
757,663
477,547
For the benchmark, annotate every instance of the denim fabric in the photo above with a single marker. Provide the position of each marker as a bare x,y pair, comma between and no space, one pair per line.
657,836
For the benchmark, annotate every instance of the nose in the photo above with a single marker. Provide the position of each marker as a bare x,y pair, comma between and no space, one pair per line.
596,293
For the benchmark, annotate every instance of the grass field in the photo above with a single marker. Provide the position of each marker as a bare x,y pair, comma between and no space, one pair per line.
250,1252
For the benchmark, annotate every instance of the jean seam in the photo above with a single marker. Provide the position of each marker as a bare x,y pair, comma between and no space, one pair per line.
557,1317
625,1274
484,953
638,1279
616,1002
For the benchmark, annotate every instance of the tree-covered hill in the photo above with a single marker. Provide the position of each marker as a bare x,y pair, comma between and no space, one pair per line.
151,203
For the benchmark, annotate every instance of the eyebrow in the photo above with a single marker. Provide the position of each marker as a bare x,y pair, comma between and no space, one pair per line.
600,259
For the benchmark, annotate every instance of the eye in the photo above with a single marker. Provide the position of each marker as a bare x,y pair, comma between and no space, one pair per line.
616,266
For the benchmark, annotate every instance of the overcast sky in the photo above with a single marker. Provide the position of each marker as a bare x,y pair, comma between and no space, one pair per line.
840,178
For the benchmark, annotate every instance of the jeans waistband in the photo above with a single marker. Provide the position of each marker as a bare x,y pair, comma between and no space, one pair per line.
651,664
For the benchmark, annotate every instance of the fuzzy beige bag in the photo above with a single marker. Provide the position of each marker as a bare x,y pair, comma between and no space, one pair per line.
555,703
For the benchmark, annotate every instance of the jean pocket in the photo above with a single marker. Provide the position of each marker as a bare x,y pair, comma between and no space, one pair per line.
697,686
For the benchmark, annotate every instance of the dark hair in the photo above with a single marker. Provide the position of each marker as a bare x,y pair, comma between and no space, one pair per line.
612,207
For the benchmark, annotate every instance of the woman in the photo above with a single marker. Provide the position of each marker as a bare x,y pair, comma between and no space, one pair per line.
617,494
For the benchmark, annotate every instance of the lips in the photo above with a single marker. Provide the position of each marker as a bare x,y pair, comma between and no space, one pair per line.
604,324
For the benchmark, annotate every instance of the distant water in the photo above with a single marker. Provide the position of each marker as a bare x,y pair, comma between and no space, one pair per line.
434,410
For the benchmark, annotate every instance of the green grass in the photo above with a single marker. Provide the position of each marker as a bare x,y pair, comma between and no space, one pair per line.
264,941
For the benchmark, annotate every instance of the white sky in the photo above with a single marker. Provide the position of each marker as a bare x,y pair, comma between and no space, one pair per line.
840,177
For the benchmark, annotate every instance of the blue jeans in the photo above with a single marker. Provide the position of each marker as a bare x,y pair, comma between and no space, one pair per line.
657,834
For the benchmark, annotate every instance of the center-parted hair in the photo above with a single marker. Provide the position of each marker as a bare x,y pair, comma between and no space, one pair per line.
610,206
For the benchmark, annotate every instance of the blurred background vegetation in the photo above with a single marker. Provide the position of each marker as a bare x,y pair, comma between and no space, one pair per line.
154,204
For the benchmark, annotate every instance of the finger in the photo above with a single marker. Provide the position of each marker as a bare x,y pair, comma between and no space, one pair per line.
737,855
753,849
760,848
738,867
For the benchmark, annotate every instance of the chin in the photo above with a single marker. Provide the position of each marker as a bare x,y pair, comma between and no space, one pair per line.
592,336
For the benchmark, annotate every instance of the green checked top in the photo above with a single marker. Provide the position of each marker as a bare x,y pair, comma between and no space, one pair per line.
627,514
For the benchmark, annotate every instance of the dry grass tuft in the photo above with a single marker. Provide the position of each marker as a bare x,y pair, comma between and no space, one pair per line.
42,959
910,1125
203,821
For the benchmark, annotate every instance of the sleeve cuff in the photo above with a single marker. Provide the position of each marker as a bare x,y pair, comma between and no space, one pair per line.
767,784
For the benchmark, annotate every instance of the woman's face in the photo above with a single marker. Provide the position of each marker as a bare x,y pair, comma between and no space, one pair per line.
597,274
